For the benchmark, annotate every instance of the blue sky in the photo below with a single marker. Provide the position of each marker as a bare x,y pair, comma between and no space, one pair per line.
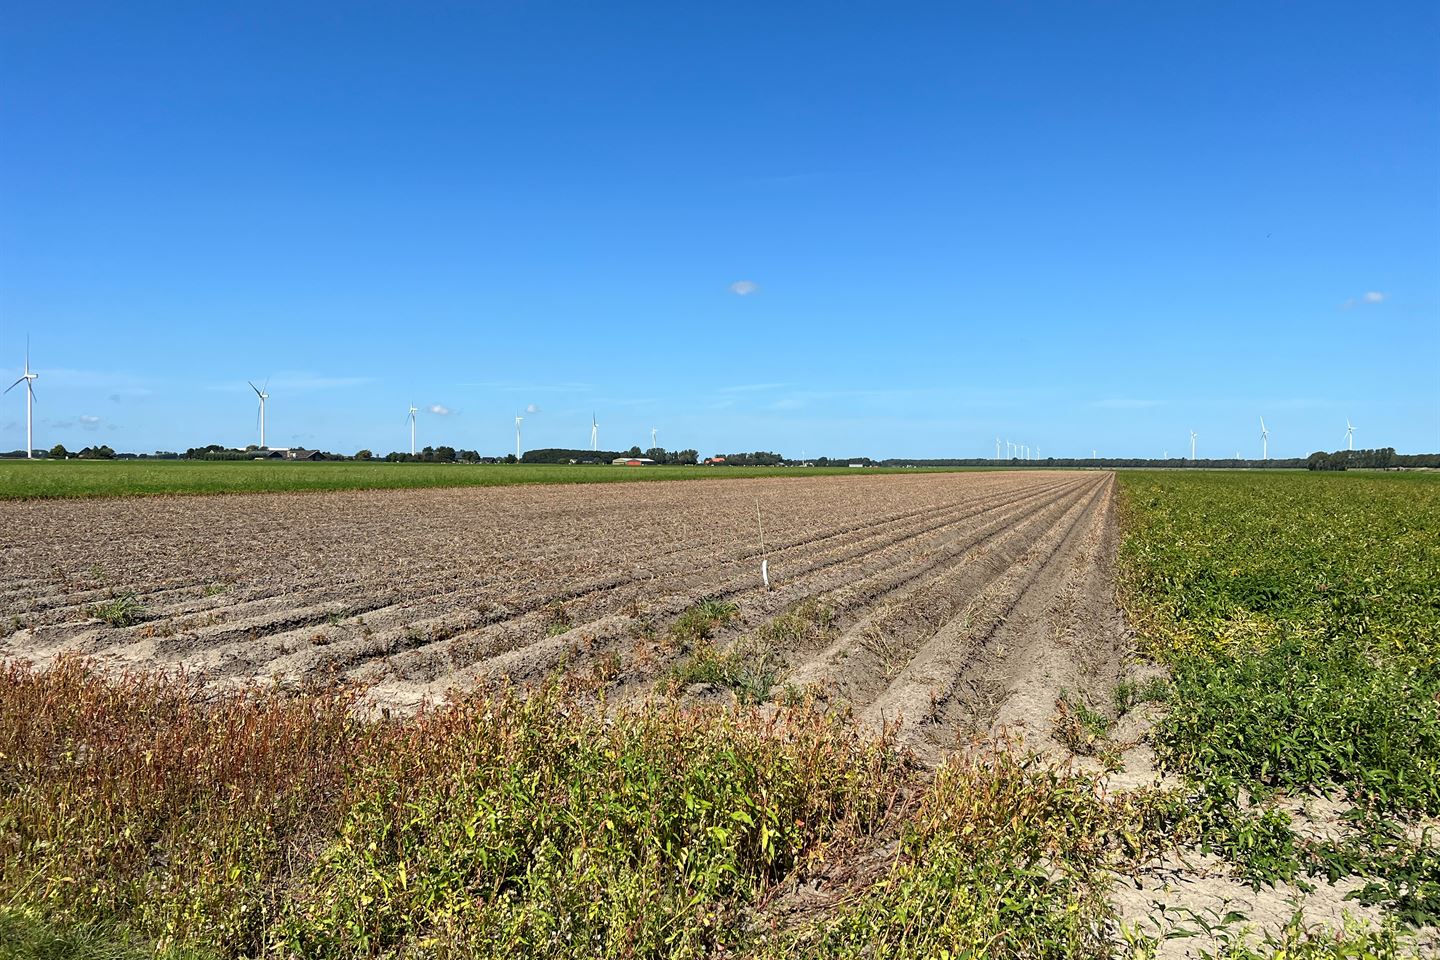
884,229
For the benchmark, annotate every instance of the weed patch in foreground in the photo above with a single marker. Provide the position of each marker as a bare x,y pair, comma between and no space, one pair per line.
122,610
281,824
1004,858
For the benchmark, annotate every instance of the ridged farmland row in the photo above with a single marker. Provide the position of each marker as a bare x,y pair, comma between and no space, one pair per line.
932,585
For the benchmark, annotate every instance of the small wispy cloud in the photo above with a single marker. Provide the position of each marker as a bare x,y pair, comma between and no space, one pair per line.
84,421
743,288
531,408
1124,403
439,409
752,387
515,386
289,382
1370,297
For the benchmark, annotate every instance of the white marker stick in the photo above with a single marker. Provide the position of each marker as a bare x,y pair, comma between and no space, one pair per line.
764,561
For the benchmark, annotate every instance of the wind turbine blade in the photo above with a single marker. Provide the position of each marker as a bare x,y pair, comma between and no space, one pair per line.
31,388
15,384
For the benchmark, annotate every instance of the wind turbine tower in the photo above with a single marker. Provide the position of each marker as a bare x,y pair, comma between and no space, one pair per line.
1264,441
594,433
518,420
1193,436
28,378
997,448
260,392
413,410
1349,428
652,438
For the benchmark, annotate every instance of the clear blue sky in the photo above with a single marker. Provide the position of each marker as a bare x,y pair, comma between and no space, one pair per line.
1084,226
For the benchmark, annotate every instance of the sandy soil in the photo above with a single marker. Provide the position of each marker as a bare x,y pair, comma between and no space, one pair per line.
962,600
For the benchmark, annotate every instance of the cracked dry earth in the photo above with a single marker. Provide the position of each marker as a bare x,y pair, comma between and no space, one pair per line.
961,600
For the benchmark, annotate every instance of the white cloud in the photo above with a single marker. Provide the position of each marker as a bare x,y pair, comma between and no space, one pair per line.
1124,403
743,288
439,410
88,418
531,408
1371,296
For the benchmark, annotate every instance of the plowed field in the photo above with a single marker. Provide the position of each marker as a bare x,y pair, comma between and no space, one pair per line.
946,602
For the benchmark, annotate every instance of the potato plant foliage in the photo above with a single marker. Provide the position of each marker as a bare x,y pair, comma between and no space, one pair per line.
1301,619
1301,616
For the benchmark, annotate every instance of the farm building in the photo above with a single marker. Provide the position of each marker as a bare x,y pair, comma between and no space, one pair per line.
632,462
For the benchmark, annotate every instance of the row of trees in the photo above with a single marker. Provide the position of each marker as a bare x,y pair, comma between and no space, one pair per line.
760,458
102,452
1380,458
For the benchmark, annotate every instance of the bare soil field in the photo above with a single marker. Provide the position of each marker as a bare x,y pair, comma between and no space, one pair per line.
947,604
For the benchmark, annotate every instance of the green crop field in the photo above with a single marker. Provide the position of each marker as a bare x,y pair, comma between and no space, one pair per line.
47,479
1300,618
1292,621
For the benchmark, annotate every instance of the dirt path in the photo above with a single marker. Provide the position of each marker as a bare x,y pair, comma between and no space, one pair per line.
956,601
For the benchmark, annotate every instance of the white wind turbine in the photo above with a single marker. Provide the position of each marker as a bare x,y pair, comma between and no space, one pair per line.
1264,441
594,433
28,378
260,392
653,431
997,448
1349,427
1193,436
518,420
413,410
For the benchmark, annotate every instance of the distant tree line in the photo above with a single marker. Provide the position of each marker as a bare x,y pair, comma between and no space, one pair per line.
760,458
102,452
1381,458
440,454
564,455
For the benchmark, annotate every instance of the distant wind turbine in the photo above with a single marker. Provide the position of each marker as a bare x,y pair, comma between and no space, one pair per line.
1264,441
1193,436
28,378
1349,427
594,433
260,392
518,420
997,448
652,438
413,410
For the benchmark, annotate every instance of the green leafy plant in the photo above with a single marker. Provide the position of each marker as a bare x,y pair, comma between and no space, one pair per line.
122,610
